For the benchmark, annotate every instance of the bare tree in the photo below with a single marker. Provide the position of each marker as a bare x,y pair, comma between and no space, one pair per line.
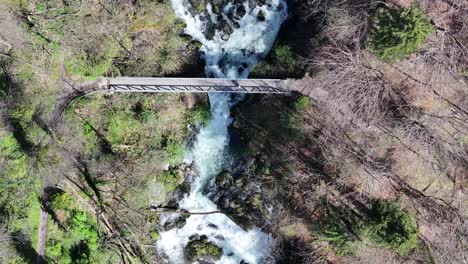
356,88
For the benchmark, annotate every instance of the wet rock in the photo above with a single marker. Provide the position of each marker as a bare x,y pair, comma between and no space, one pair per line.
230,13
210,31
216,9
218,3
211,225
261,16
240,195
240,11
199,249
169,221
198,6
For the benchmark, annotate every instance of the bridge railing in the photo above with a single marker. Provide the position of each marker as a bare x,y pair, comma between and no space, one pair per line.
192,85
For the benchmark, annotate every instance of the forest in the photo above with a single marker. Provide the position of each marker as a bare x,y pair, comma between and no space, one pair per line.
367,164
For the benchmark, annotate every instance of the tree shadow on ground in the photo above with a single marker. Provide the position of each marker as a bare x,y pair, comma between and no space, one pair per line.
19,133
91,181
23,246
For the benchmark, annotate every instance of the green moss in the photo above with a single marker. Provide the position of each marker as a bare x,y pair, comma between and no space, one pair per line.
154,235
397,33
180,24
198,248
169,179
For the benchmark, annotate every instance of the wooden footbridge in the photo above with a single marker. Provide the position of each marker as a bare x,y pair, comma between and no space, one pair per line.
189,85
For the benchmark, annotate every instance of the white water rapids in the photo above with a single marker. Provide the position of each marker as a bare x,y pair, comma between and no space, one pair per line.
229,58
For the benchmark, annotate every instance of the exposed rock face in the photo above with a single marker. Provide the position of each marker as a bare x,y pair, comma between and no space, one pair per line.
240,193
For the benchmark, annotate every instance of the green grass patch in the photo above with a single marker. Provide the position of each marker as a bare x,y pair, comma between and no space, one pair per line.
397,33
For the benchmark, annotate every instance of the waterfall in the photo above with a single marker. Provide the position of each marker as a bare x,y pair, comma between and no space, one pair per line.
250,29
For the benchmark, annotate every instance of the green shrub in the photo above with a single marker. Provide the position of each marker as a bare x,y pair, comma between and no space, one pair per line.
174,150
61,201
286,58
397,33
296,117
14,161
79,244
341,228
202,114
122,129
385,225
302,103
392,228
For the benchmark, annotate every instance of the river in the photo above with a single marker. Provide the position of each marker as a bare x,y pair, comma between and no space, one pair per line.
234,36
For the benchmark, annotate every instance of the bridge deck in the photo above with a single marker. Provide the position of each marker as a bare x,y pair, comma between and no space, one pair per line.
193,85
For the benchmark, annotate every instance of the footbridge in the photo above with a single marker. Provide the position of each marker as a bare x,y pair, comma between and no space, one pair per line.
172,85
190,85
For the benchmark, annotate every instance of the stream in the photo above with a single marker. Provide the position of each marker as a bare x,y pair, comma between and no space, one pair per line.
234,35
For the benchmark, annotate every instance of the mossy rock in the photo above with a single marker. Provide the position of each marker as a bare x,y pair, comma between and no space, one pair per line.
256,201
201,249
154,235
